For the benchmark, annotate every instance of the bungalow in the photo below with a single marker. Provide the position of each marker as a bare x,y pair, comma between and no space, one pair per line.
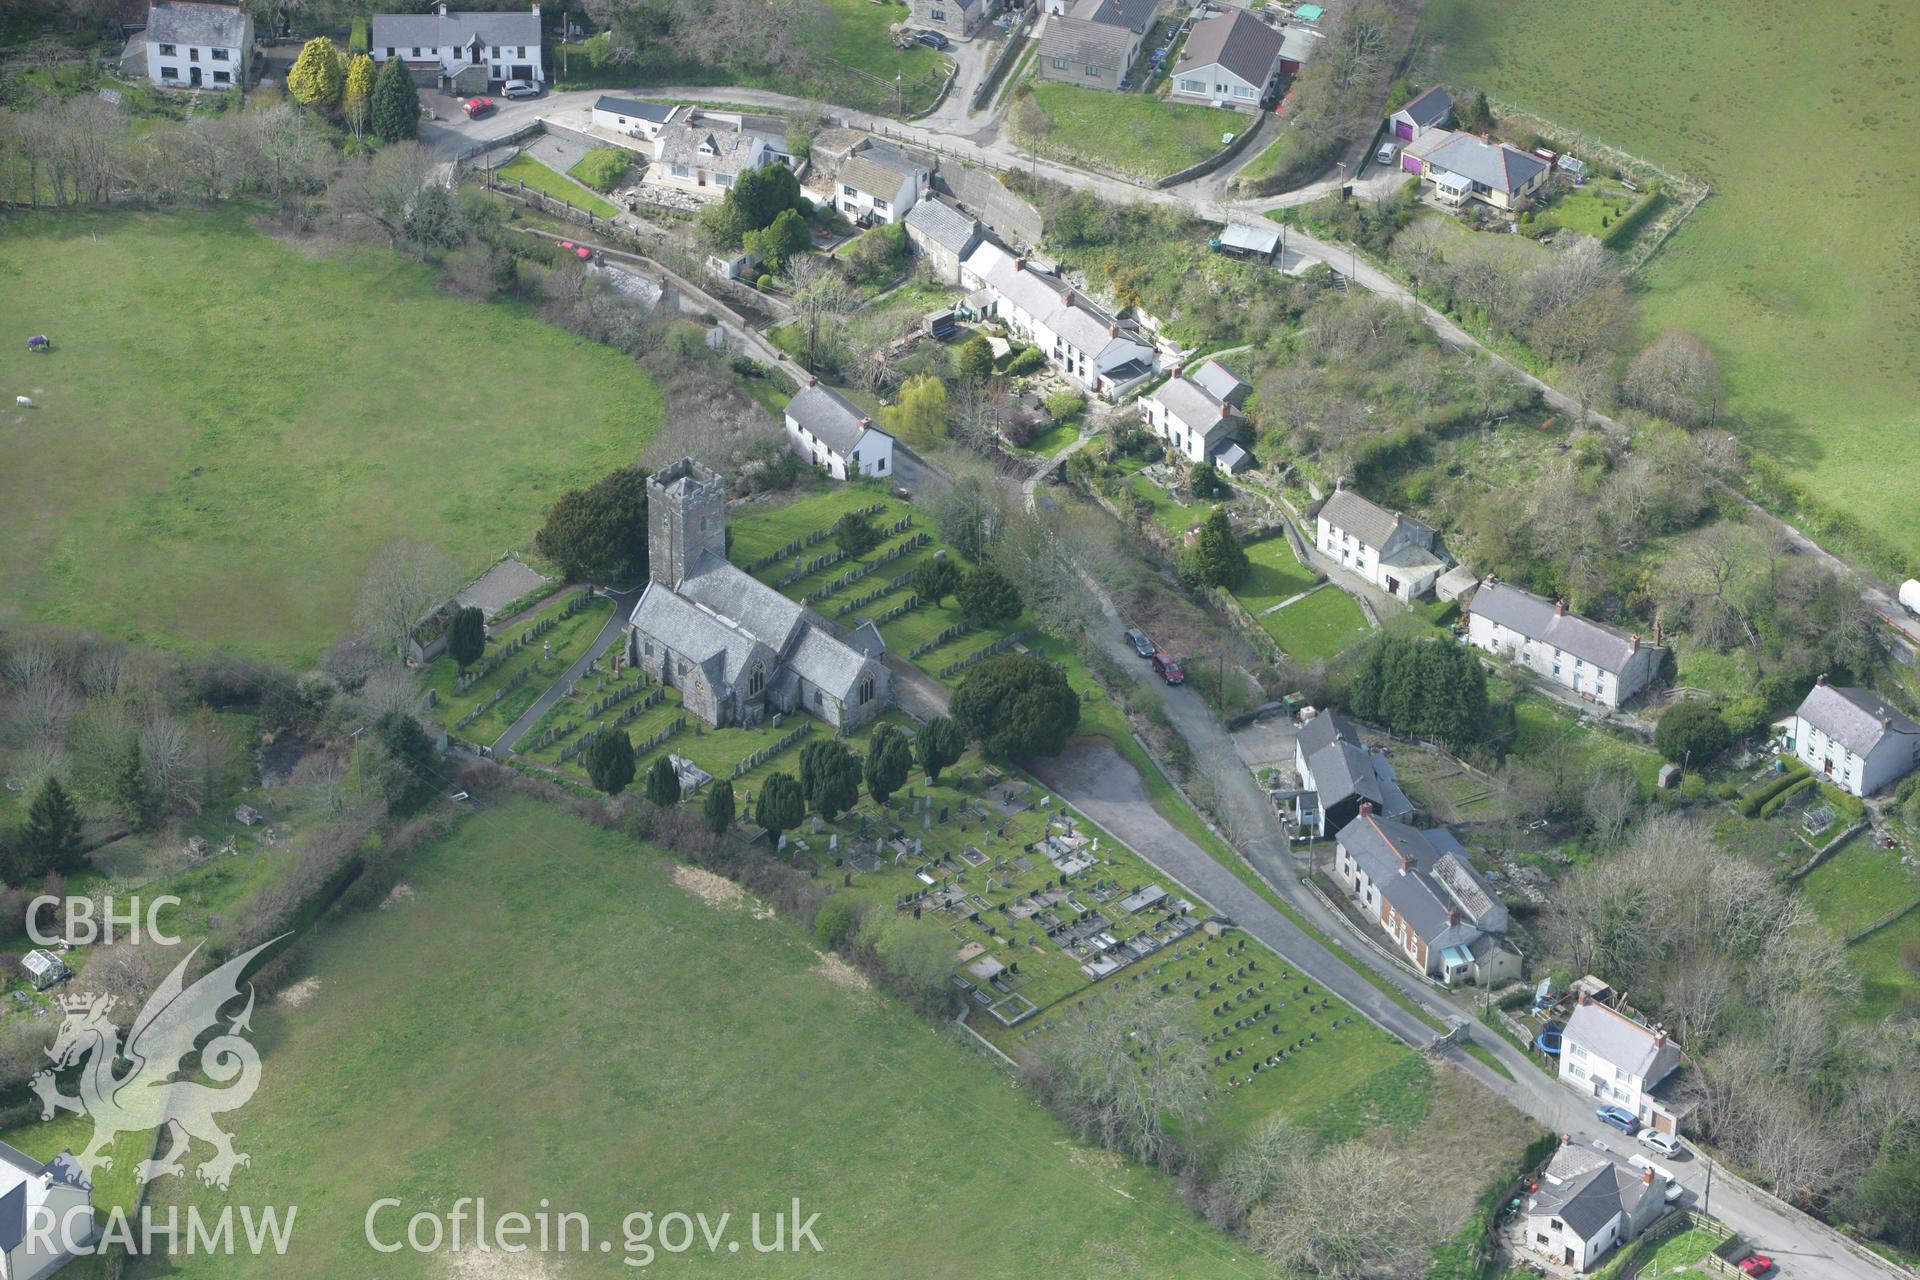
46,1213
1199,415
1229,60
829,431
1338,774
1587,1201
1601,663
1428,111
1421,888
1852,737
631,116
706,153
1390,550
1105,355
1463,167
879,183
956,18
943,235
194,45
459,46
1617,1060
1093,43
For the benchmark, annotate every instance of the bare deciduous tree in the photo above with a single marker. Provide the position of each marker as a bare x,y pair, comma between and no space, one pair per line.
1353,1212
1676,377
405,580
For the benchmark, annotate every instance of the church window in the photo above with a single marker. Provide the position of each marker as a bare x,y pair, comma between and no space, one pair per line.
866,691
756,682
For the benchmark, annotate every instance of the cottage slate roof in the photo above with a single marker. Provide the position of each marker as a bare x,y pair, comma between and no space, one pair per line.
455,30
827,662
1219,382
186,22
1188,403
721,647
943,224
1237,42
1124,355
1250,239
1343,769
1495,165
1588,1201
1233,459
1438,878
1428,143
830,417
1428,108
723,148
1132,15
1328,726
744,600
878,171
1373,525
1858,719
1086,43
1614,1036
1606,647
658,112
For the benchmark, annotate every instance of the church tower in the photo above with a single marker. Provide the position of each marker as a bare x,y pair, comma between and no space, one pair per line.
686,514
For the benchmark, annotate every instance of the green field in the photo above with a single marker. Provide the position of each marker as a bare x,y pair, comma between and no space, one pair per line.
1130,133
651,1040
229,428
1277,575
1801,270
1317,627
525,169
1857,885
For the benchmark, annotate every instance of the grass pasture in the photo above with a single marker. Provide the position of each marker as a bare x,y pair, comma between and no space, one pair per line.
229,429
1317,627
664,1034
1129,133
1800,270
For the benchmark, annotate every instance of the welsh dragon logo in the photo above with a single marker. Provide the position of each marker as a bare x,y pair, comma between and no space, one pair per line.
149,1094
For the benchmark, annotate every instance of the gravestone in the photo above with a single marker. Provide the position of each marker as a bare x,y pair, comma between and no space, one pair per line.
548,653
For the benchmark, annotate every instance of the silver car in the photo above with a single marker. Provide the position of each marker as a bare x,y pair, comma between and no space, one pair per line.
520,89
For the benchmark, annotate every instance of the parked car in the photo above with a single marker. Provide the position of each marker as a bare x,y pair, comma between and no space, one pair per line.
477,107
1385,154
1755,1264
1141,645
932,39
1665,1143
520,89
1620,1118
1167,669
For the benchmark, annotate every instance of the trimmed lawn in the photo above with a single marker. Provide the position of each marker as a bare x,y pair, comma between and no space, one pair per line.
1277,575
1581,208
1317,627
230,429
664,1036
1884,985
525,169
1130,133
1797,270
1680,1252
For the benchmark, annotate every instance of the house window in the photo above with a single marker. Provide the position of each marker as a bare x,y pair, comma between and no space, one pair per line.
389,51
1093,71
1193,86
939,15
496,53
1243,92
169,73
880,464
193,55
520,52
866,691
219,55
221,77
880,206
416,51
847,191
1059,64
167,51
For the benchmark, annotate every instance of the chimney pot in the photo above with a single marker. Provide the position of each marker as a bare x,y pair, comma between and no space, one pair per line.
1113,331
1633,643
1225,409
866,422
1583,997
1366,806
1659,1039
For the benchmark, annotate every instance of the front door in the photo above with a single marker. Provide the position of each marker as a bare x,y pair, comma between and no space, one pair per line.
193,78
1393,586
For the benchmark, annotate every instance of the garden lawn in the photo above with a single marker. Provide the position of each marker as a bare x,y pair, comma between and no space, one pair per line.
229,429
525,169
1581,208
1317,627
1857,885
570,638
1680,1252
1131,133
1884,985
662,1038
1798,271
1277,575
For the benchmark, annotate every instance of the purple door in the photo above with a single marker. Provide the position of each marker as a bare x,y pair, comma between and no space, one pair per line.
1410,164
1403,130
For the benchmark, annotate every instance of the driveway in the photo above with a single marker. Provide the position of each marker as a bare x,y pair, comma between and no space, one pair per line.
623,602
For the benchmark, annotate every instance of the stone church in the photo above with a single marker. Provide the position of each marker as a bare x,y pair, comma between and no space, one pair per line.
735,648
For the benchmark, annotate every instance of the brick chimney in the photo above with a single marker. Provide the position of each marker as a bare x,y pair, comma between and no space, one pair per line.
1646,1177
1659,1039
1366,806
1583,998
1178,370
812,381
1656,632
1633,643
865,423
1019,264
1559,608
1453,915
1226,410
1821,678
1113,331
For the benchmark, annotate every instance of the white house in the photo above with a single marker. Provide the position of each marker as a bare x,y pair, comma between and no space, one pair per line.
1617,1060
1105,355
705,152
194,45
1093,43
956,18
1587,1201
1852,737
943,235
1388,549
1421,888
454,44
632,117
1198,414
829,431
879,183
46,1213
1428,111
1463,168
1338,774
1229,60
1602,664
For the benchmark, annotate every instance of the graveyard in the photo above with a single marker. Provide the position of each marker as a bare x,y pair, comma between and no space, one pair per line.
520,663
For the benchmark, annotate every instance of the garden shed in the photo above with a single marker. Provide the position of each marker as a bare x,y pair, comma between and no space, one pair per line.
44,969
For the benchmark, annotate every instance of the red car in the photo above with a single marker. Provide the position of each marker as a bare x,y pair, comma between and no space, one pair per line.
477,107
1755,1264
1167,669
